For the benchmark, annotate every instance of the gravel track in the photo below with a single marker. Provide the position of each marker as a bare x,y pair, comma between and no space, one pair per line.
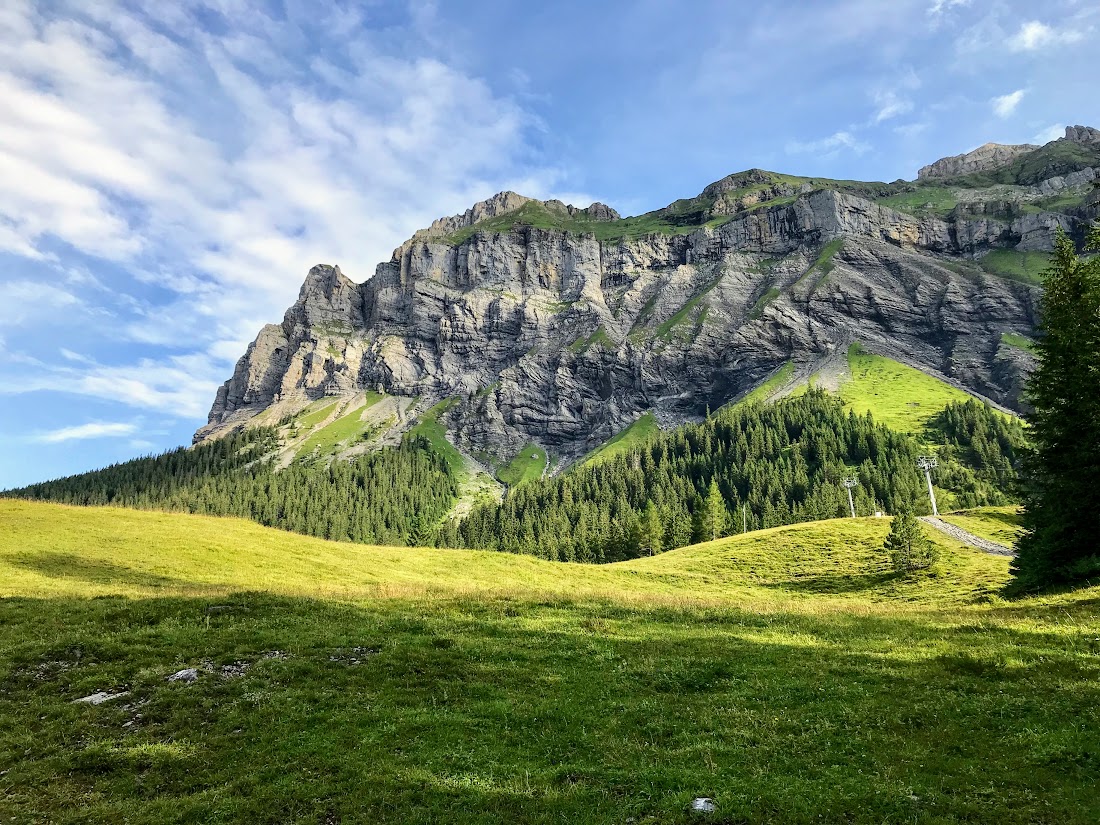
985,545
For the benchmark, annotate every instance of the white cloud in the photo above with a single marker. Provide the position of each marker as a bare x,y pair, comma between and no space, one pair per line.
830,145
1034,35
181,386
97,429
939,7
890,105
220,169
24,301
1005,105
1052,132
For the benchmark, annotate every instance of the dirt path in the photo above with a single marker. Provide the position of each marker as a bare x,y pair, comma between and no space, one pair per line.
985,545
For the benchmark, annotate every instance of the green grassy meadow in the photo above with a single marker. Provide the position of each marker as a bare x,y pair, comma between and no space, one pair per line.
529,464
1000,524
341,432
901,397
641,430
1025,267
787,674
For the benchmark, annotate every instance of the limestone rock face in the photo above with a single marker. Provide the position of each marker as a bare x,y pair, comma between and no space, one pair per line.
1083,134
563,336
983,159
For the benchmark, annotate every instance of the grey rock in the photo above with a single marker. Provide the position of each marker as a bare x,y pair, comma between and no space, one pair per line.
703,805
557,338
1083,134
100,697
983,159
189,674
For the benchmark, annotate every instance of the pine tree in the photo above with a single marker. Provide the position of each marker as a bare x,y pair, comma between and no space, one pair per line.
907,547
652,531
714,513
1061,494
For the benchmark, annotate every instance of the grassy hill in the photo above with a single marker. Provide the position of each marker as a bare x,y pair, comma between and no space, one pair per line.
784,673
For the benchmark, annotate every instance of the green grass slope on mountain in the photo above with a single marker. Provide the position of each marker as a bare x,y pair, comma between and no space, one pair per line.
1000,524
786,674
901,397
630,437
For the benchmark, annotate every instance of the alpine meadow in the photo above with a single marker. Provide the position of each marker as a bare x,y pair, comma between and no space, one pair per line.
774,504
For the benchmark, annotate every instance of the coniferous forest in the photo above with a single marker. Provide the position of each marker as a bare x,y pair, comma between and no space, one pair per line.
743,468
746,468
391,496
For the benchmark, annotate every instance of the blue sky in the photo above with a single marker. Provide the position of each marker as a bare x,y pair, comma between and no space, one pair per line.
170,171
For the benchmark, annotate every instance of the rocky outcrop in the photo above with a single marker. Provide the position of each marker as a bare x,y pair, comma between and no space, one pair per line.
554,336
1085,135
983,159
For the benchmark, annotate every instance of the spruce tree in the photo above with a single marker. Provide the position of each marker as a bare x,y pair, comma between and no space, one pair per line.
714,513
1059,476
906,546
652,531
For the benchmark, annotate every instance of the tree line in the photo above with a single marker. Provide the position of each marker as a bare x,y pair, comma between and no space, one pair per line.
391,496
745,468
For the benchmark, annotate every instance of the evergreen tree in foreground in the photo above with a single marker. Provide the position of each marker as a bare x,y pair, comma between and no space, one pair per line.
907,546
1060,476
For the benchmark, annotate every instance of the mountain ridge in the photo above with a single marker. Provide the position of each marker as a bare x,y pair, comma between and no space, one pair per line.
557,326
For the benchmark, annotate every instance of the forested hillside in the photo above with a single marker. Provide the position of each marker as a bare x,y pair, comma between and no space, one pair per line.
391,496
746,467
755,466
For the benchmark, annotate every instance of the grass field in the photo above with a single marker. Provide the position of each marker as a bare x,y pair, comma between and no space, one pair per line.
315,413
528,465
640,431
786,674
770,386
1018,341
901,397
428,427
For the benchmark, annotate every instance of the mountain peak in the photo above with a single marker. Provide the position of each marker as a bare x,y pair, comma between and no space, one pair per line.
504,202
983,159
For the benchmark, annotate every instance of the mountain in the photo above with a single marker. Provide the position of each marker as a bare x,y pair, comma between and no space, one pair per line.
524,325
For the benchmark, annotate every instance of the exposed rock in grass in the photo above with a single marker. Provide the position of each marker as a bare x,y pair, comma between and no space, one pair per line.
100,697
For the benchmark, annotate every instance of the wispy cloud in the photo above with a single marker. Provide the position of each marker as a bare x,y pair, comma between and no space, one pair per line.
96,429
890,105
180,386
939,8
837,142
1052,132
217,168
24,301
1005,105
1034,35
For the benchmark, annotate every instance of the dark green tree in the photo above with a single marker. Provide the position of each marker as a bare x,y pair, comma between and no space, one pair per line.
1059,476
714,513
651,530
907,547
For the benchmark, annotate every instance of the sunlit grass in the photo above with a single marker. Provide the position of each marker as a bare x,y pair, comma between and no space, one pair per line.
787,673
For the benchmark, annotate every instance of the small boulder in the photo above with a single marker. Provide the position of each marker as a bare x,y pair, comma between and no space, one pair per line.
189,674
703,805
100,697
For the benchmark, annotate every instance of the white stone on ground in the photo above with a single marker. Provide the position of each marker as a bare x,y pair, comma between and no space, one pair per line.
100,698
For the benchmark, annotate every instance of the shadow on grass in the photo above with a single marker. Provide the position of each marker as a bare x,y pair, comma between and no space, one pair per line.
834,584
80,568
484,711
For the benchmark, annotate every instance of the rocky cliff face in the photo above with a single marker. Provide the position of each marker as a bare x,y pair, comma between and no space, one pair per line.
566,325
983,159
